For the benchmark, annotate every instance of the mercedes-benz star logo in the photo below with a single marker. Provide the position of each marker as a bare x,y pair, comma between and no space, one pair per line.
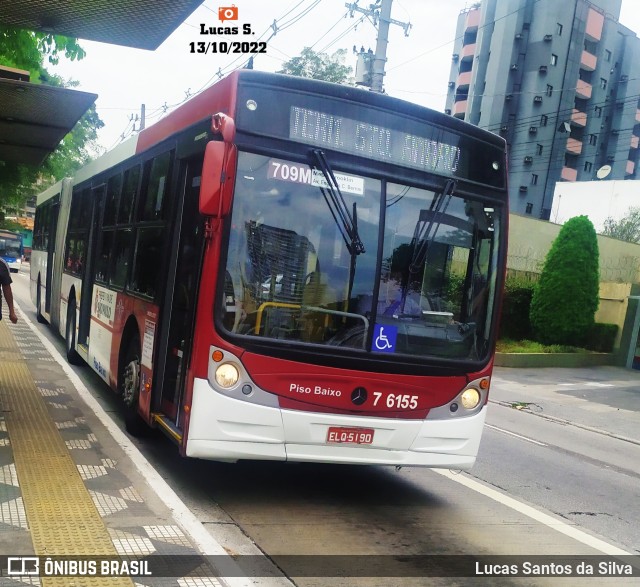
359,396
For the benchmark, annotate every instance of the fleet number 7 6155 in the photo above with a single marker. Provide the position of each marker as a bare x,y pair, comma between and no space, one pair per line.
397,400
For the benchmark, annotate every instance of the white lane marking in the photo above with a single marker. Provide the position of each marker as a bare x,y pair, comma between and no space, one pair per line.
534,514
516,435
206,543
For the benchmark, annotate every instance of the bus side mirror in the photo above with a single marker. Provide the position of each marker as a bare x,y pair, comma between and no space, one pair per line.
216,184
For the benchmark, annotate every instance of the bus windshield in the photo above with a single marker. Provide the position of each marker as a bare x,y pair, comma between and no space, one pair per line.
10,247
421,284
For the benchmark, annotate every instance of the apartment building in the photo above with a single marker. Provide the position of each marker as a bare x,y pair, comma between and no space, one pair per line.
560,81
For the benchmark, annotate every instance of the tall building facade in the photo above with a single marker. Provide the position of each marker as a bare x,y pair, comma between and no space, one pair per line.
560,81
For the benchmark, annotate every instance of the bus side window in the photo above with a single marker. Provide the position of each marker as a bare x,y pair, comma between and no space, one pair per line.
156,176
128,197
120,258
146,268
114,186
104,255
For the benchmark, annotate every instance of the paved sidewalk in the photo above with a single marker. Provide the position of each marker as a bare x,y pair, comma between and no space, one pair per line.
72,486
605,399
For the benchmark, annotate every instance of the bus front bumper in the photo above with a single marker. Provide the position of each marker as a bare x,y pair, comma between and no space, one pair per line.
223,428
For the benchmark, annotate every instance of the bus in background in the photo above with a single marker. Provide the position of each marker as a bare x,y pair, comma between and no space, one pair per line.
287,269
11,249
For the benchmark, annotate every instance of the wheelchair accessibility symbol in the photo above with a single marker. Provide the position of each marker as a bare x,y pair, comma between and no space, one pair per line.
384,338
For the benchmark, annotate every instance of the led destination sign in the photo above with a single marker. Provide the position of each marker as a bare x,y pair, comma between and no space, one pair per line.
400,134
374,141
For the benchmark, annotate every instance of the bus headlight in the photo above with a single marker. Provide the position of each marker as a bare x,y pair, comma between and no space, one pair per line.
227,375
470,398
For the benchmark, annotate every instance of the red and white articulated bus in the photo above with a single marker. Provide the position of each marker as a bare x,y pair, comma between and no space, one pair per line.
287,269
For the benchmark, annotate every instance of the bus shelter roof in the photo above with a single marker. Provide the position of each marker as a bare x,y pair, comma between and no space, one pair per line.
35,118
143,24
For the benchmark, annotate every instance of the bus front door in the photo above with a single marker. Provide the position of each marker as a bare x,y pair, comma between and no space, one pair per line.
179,305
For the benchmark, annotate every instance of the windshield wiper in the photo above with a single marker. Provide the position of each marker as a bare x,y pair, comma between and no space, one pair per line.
422,236
347,223
425,233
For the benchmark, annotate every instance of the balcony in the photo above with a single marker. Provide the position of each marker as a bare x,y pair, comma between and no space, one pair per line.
574,146
595,22
635,141
588,62
460,108
463,81
631,167
579,118
569,174
583,89
473,20
468,51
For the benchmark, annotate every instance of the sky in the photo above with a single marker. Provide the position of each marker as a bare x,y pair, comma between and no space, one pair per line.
417,67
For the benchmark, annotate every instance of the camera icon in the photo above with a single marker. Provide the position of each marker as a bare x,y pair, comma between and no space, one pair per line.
228,13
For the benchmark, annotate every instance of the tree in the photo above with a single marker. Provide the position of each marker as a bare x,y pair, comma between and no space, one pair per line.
29,50
318,66
565,298
625,229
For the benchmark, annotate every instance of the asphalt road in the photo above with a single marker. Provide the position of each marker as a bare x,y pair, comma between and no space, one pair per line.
543,485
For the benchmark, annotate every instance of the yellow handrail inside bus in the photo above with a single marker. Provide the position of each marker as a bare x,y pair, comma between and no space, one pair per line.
309,309
273,305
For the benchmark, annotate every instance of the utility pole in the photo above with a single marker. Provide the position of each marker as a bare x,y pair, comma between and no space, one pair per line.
142,116
380,12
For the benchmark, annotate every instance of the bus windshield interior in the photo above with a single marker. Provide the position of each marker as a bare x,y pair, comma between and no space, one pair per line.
303,268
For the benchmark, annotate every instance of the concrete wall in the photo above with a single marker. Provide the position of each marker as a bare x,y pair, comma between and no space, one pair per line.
614,303
531,239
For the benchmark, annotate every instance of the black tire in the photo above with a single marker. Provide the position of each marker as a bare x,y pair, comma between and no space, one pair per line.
129,388
39,317
70,335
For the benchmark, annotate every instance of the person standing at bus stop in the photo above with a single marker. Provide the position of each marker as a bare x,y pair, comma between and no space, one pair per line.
6,281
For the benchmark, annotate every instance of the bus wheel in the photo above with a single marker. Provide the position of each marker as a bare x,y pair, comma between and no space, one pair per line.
39,315
129,387
70,334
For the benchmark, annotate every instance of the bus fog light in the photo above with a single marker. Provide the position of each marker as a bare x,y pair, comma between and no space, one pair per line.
227,375
470,398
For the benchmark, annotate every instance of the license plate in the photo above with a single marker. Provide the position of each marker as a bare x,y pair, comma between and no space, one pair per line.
338,434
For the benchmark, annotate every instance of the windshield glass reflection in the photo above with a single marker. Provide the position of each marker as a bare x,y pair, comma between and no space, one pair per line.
291,276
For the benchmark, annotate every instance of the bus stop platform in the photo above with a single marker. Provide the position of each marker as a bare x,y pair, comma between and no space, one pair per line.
77,507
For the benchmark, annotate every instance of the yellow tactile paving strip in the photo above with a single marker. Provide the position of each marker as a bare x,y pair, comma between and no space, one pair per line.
62,517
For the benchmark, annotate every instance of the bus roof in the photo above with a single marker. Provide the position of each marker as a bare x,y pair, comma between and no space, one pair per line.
221,97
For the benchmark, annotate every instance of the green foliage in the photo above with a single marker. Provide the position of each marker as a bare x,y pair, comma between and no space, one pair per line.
530,347
28,50
10,224
455,289
516,303
22,49
625,229
565,298
318,66
601,337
